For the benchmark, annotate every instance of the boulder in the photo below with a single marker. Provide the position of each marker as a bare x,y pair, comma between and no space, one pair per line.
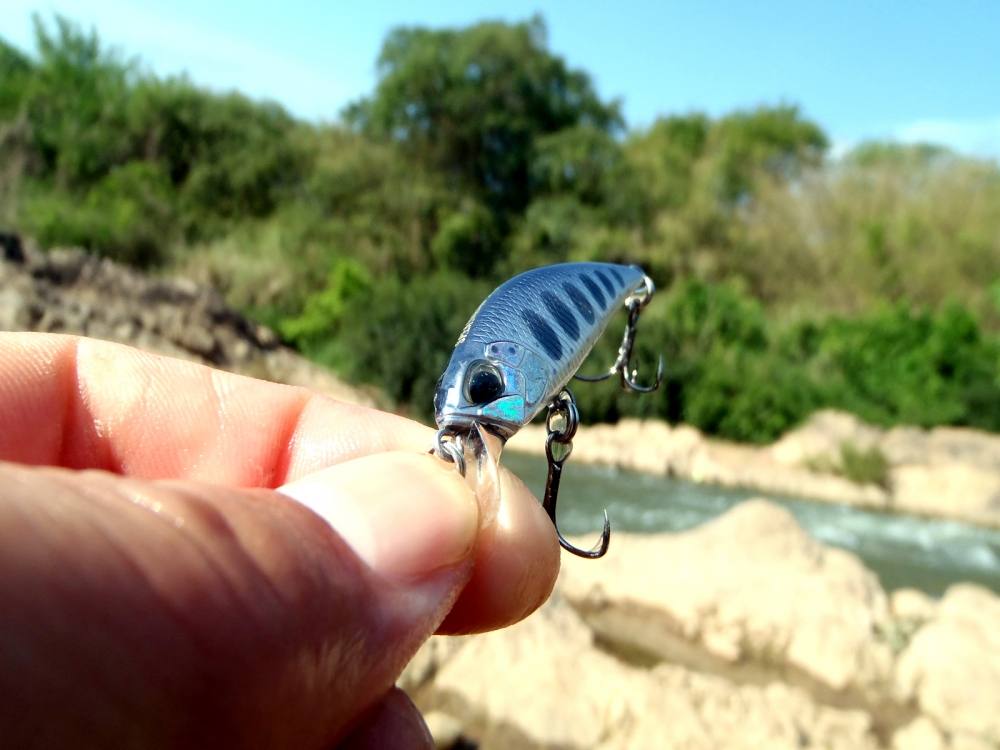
912,605
951,668
822,436
545,683
749,593
957,490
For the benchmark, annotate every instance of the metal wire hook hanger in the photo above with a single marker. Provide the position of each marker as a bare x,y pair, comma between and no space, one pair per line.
623,363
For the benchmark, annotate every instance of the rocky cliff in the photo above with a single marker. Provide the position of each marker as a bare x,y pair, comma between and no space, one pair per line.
69,291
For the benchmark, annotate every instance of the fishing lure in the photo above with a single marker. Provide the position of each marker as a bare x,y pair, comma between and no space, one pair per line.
519,351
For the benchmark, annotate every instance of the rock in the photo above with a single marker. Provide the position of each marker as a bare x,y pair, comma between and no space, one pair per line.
959,490
963,445
685,709
951,668
919,734
822,436
905,445
541,679
910,604
749,591
446,730
545,684
69,291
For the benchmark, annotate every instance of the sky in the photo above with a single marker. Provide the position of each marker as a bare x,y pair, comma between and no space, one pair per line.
912,71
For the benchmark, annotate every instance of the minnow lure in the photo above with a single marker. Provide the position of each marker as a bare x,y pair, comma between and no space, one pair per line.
521,348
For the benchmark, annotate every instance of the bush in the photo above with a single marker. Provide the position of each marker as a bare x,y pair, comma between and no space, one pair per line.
400,336
900,365
127,216
864,466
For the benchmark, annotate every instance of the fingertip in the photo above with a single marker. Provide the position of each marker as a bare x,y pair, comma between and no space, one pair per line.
515,568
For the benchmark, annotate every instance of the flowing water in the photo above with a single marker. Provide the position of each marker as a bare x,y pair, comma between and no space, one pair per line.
904,551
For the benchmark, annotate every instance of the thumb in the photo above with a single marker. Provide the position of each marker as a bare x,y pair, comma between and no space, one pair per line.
168,614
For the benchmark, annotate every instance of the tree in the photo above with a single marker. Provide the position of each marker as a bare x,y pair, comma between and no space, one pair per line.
472,103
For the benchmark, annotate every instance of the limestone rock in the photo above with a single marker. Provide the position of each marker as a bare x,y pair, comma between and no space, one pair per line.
686,709
750,590
951,668
911,604
544,683
822,436
919,734
963,490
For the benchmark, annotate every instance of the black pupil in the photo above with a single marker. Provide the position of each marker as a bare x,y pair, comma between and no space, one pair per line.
484,386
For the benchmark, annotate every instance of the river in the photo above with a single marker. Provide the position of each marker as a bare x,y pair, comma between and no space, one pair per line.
904,551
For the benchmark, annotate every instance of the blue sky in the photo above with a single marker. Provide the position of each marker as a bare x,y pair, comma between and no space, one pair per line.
910,71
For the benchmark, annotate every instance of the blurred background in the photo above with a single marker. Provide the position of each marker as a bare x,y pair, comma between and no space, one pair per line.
815,190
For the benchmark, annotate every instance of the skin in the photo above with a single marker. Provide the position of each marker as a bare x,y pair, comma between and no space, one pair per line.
191,558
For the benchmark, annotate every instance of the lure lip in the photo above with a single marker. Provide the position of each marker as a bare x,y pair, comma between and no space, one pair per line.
458,423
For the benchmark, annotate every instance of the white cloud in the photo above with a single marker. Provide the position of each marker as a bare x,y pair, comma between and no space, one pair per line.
973,136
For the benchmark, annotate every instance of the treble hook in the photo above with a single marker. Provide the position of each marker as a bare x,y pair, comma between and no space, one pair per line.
623,363
564,405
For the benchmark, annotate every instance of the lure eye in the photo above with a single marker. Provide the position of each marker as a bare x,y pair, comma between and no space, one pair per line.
484,383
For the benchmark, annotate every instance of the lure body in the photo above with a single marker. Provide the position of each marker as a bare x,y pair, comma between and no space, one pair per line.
527,340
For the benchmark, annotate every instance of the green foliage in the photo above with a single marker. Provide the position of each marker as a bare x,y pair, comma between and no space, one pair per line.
349,284
402,336
471,103
774,141
468,241
899,365
858,465
127,215
864,465
229,157
97,138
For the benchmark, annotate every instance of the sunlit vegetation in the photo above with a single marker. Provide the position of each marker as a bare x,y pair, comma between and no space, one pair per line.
789,281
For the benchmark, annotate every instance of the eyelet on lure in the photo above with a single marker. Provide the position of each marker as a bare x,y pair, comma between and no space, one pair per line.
519,351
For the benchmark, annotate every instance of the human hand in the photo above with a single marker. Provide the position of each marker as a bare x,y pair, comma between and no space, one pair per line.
176,596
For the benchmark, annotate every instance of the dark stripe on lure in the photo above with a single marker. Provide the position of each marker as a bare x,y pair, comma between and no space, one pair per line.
595,291
562,315
617,274
543,333
609,285
578,298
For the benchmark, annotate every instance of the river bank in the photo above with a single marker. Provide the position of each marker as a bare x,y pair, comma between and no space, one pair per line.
742,633
947,472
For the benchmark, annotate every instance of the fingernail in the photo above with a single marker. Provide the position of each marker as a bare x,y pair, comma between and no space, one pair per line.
405,515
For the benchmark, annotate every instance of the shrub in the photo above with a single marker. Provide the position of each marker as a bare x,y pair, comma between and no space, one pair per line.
126,216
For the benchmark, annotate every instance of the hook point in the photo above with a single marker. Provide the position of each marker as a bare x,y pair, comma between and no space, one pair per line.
598,550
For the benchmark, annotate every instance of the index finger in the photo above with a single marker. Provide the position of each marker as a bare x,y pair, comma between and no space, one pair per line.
87,404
